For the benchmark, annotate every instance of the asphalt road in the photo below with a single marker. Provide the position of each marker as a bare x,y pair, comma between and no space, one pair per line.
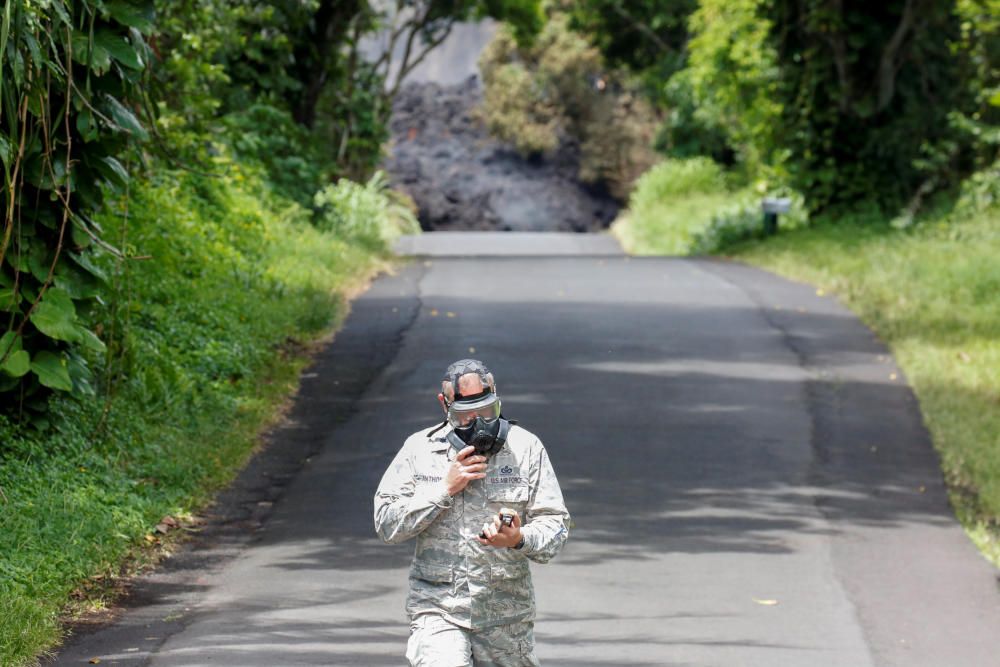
748,473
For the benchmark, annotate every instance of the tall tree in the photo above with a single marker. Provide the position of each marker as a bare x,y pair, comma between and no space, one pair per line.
866,90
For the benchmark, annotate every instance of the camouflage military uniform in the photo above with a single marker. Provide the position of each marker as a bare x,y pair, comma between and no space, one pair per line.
485,591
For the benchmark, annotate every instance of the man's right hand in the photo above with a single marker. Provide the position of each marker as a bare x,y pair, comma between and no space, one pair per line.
465,468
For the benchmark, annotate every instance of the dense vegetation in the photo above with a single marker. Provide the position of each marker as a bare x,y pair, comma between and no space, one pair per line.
189,191
881,124
844,103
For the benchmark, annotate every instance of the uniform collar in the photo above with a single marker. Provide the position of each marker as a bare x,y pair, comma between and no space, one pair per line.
439,441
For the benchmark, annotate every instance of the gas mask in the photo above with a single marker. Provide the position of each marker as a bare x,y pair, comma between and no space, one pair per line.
475,419
488,437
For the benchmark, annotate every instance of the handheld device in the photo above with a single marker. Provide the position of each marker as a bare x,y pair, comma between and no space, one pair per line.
506,519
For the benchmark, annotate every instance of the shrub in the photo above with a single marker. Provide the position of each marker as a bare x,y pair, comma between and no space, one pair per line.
558,91
515,112
199,355
268,135
741,220
677,177
365,212
682,207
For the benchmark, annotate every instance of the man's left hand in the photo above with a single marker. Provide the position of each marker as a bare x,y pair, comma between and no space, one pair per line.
499,535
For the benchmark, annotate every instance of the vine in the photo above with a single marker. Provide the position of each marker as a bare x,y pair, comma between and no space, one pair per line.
72,72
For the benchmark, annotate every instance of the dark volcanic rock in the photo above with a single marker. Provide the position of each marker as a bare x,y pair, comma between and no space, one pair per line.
463,179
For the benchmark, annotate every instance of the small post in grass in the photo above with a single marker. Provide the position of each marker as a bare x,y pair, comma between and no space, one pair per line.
772,206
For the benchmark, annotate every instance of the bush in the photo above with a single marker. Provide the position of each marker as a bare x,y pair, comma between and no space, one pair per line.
370,213
671,178
740,221
558,91
682,207
268,135
199,356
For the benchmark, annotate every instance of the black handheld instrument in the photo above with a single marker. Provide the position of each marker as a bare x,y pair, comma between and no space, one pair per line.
506,519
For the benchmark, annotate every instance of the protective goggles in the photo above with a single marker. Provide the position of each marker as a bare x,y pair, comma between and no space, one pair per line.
463,412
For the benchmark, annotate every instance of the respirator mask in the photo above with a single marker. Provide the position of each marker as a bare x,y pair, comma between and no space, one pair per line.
476,421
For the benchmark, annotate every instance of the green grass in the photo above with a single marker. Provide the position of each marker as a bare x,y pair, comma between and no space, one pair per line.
682,207
933,294
207,340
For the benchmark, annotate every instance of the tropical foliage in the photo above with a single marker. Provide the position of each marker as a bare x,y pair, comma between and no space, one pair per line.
188,192
71,81
847,103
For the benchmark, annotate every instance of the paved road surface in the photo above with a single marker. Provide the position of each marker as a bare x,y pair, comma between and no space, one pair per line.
747,470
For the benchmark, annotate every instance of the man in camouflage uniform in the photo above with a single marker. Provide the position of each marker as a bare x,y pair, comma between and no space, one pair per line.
471,601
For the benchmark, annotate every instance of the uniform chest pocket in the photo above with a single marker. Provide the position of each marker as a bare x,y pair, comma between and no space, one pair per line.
507,493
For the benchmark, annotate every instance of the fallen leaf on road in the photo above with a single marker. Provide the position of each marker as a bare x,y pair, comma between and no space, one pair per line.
94,661
434,312
472,350
892,376
820,292
450,314
766,603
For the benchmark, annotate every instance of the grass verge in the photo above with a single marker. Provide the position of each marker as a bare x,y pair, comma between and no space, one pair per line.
205,346
689,206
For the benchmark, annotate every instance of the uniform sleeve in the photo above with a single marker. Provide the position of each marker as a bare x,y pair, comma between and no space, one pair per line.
547,520
400,511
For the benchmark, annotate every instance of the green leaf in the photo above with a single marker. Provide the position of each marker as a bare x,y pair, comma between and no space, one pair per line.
90,54
51,371
112,170
55,316
80,375
9,342
126,13
9,299
85,125
6,151
995,100
84,262
90,340
123,118
39,262
119,48
17,364
36,54
77,282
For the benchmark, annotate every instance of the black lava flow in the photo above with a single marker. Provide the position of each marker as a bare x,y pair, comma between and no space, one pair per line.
463,179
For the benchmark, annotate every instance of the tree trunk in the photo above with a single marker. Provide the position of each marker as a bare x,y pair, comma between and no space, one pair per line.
315,50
